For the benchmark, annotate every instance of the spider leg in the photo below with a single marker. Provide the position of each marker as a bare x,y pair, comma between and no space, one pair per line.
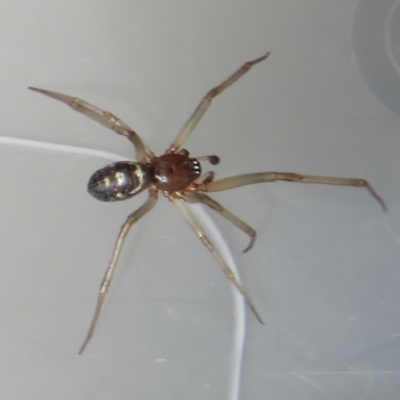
105,284
206,101
105,118
208,201
225,268
249,179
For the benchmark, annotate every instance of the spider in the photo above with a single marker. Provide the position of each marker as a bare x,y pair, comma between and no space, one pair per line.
178,177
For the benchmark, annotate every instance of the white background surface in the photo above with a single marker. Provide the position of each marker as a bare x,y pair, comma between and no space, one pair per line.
325,269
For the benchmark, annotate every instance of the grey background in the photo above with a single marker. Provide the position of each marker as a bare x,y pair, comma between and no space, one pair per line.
325,269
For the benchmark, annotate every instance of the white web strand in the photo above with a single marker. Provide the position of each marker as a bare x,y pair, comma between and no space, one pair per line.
239,331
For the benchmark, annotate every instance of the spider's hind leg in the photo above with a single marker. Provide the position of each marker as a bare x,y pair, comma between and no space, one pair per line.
105,284
105,118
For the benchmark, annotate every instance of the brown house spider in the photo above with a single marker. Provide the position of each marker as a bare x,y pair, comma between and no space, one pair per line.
178,177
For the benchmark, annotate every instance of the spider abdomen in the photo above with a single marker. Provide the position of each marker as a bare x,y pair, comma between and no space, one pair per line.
119,181
174,172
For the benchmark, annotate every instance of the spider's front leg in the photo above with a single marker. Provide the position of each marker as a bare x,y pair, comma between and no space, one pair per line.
191,123
225,267
105,284
197,197
105,118
260,177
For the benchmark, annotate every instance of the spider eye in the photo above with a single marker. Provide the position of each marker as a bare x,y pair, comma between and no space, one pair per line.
119,181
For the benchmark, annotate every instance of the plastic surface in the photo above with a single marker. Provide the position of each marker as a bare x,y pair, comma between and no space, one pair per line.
324,272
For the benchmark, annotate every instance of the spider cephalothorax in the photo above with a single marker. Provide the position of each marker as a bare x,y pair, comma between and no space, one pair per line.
175,172
179,178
